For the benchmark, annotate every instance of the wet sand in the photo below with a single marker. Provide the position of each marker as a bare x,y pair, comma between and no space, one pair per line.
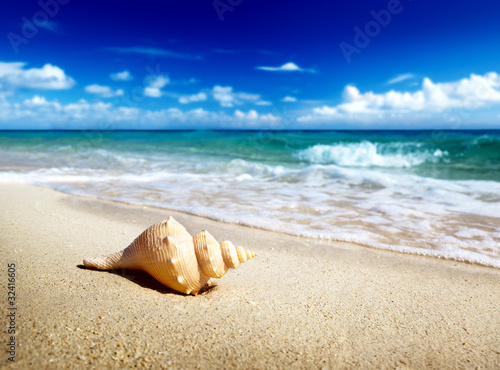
300,303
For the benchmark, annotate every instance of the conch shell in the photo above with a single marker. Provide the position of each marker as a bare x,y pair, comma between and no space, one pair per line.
172,256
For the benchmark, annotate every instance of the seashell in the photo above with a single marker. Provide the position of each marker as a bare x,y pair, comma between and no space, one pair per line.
172,256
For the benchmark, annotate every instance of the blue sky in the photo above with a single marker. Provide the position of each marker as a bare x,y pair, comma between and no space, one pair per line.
243,64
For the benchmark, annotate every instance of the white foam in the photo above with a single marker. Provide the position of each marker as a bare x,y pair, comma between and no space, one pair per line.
399,212
367,154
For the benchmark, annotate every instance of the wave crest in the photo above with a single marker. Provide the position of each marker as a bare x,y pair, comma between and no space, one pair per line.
367,154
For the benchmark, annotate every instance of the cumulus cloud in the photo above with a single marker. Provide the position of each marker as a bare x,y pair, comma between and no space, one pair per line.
433,98
401,78
153,90
13,75
121,76
40,101
103,91
38,112
201,96
224,95
229,98
287,67
289,99
252,115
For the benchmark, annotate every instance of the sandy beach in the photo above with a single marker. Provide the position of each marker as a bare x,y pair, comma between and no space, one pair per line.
301,303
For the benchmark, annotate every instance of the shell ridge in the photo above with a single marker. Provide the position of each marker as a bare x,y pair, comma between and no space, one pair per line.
209,256
173,257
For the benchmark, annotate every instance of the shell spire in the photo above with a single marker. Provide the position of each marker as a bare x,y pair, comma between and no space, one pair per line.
176,259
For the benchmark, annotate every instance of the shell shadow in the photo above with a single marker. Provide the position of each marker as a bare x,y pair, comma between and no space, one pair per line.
147,281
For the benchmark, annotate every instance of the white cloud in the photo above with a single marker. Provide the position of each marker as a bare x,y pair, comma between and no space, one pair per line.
228,98
400,78
433,105
40,101
103,91
432,100
252,115
49,77
287,67
224,95
39,113
153,90
289,99
10,68
121,76
201,96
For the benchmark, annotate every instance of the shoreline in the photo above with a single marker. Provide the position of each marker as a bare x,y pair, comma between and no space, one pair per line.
301,302
474,258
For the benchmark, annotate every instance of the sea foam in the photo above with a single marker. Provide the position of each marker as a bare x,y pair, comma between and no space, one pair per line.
365,192
367,154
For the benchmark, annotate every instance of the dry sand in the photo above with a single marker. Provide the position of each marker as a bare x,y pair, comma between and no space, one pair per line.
300,303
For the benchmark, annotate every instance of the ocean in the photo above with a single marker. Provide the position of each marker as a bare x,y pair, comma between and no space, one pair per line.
434,193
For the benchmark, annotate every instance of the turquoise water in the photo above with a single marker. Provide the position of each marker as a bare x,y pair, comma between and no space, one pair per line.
427,192
457,155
